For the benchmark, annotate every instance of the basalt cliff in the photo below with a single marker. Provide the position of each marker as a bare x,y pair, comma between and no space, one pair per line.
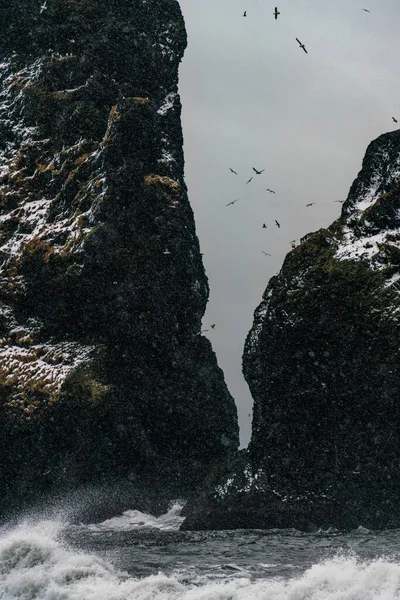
322,361
104,377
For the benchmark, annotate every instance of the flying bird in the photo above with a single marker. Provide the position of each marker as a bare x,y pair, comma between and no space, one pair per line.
277,223
266,253
233,202
301,45
276,13
310,203
341,201
249,180
245,13
366,10
43,7
264,226
271,191
258,172
213,326
395,120
232,171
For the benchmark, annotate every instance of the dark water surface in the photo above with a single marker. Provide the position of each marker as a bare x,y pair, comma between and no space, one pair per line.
250,553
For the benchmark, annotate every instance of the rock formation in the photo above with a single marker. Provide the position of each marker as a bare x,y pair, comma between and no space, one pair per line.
104,378
323,364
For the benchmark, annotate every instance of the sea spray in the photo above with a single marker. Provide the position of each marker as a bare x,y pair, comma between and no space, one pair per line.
134,519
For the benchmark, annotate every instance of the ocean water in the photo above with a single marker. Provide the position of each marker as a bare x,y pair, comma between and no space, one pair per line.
135,556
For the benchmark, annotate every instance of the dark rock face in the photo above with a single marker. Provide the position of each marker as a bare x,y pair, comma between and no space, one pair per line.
103,376
323,364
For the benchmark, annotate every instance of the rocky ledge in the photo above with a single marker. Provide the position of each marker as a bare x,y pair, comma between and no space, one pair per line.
104,378
323,364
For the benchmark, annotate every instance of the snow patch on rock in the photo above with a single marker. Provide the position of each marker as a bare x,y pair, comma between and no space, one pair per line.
167,104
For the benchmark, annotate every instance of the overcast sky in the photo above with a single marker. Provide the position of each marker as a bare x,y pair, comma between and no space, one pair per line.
252,97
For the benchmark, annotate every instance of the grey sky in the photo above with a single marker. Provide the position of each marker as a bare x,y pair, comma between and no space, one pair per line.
252,97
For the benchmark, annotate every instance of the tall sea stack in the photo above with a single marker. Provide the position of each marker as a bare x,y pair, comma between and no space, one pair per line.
104,377
323,365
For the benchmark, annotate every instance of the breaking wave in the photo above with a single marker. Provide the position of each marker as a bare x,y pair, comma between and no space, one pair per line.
36,565
134,519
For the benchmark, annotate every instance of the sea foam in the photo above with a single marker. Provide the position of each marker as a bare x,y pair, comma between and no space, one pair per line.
35,565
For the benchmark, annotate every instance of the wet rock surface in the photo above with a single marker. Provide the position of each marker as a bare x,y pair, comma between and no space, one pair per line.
103,374
323,365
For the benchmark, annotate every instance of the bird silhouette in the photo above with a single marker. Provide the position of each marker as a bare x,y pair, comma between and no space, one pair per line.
264,226
301,45
43,7
276,13
245,13
271,191
232,171
395,120
233,202
366,10
310,203
266,253
213,326
249,180
277,223
341,201
258,172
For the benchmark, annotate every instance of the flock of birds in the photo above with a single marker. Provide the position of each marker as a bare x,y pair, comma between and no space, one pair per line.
264,226
276,14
